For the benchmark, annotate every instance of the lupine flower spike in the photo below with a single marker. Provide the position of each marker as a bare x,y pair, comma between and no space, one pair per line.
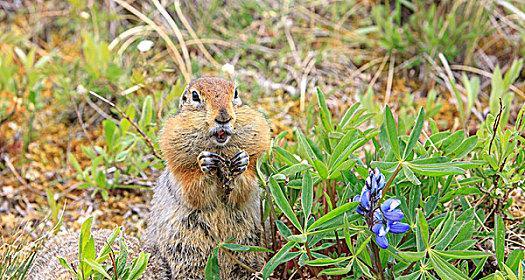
380,219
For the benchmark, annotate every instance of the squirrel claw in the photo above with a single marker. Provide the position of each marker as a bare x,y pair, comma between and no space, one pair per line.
239,163
210,162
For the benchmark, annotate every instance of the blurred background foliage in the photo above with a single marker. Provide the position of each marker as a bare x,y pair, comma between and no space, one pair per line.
85,86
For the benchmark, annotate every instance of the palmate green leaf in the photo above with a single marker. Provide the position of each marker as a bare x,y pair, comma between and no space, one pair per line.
282,203
327,261
412,276
499,240
435,169
326,116
453,141
285,156
444,269
97,267
321,168
344,143
349,115
338,270
416,131
385,166
422,228
297,238
307,196
212,270
466,147
410,175
305,146
345,165
333,214
411,256
283,229
294,169
462,254
278,258
363,245
391,132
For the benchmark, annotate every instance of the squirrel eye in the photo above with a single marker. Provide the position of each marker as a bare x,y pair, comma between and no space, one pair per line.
195,96
236,94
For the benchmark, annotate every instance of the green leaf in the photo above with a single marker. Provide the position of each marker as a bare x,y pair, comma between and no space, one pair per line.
444,269
285,156
307,196
97,267
294,169
66,265
278,258
326,116
110,133
282,203
139,266
297,238
466,146
212,270
462,254
416,131
305,146
85,234
106,249
422,227
74,162
510,273
342,145
499,240
391,132
327,261
147,112
363,245
410,175
435,169
514,258
412,256
333,214
321,169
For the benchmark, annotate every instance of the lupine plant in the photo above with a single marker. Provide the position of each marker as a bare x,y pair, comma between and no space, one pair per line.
347,200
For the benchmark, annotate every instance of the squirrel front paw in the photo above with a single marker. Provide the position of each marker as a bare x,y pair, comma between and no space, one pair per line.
239,163
210,163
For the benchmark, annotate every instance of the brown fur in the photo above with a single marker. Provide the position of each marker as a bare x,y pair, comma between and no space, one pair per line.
191,211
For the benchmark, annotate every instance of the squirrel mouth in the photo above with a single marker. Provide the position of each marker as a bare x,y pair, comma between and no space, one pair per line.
221,135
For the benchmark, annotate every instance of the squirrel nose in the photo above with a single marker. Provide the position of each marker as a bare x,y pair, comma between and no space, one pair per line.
223,117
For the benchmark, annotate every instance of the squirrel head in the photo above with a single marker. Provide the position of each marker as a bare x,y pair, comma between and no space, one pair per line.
217,99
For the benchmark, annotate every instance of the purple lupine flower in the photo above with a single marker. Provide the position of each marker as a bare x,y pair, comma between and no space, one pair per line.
371,192
385,218
388,219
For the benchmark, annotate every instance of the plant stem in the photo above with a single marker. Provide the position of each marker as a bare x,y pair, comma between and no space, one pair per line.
314,269
391,180
377,261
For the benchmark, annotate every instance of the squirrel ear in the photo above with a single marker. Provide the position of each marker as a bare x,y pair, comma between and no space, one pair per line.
183,98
